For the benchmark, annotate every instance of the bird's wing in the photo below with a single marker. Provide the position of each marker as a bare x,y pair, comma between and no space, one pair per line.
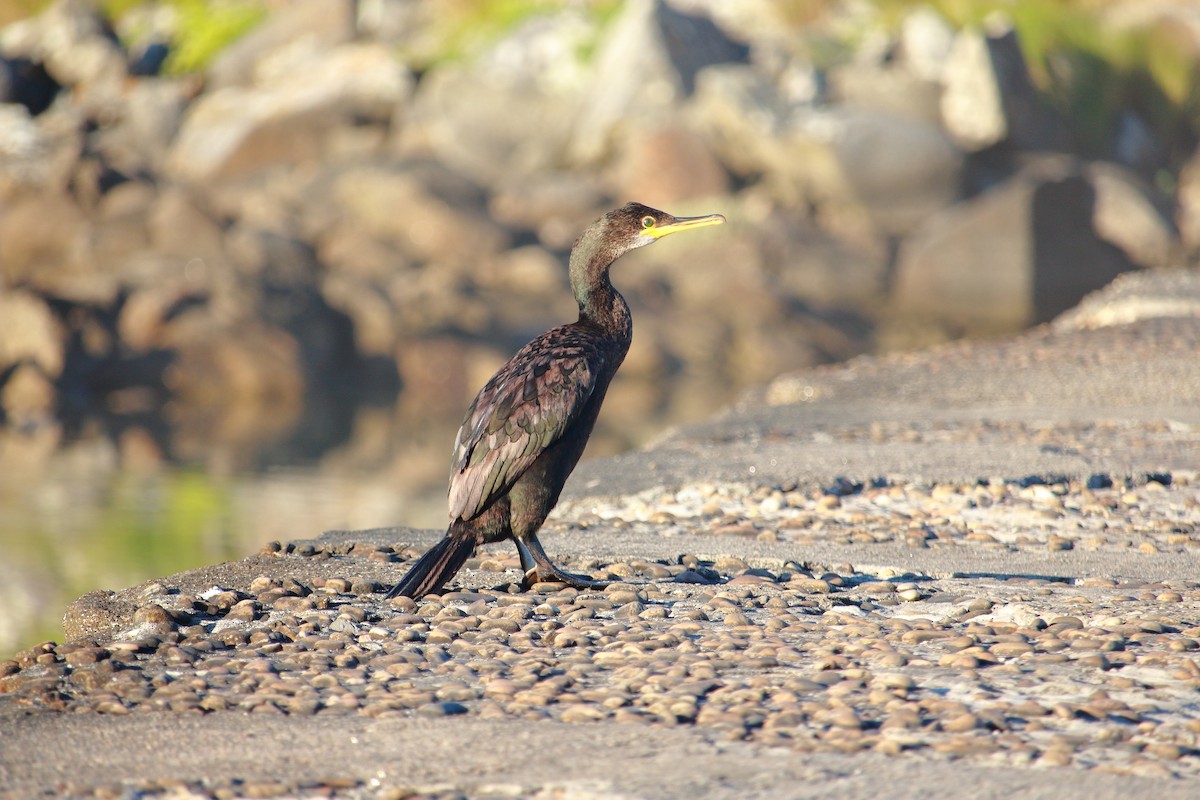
526,406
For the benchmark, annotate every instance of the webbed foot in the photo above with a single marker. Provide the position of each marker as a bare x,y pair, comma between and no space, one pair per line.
540,569
556,575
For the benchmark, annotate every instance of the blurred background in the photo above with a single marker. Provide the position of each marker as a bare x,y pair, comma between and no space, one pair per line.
256,256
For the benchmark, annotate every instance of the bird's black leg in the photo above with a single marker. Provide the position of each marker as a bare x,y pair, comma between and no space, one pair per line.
528,566
547,571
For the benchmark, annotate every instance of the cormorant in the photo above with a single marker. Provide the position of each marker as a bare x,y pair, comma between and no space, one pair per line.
527,427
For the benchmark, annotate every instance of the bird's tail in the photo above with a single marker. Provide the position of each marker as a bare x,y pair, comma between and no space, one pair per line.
439,564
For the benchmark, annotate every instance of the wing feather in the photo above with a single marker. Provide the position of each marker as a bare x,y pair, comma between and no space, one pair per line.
527,406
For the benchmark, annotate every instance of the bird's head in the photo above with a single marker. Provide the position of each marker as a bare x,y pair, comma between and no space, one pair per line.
635,225
616,233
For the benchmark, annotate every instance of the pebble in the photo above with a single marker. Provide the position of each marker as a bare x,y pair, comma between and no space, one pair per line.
787,655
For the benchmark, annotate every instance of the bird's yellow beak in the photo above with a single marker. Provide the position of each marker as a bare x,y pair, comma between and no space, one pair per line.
684,224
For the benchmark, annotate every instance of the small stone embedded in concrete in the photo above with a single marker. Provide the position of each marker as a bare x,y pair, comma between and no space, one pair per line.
811,657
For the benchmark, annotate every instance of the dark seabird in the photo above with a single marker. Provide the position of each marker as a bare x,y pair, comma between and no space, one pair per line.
527,427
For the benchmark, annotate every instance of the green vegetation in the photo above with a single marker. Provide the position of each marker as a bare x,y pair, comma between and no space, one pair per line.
144,527
1091,72
11,10
204,28
178,520
461,28
1088,70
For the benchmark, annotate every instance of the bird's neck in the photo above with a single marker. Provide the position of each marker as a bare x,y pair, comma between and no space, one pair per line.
608,311
599,303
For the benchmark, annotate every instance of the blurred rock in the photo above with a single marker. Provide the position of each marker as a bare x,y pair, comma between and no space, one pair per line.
74,44
368,307
1161,294
973,104
651,58
361,195
632,70
744,117
295,112
926,39
836,159
989,97
27,396
30,333
429,213
439,370
1134,216
1011,257
666,165
1187,199
351,247
814,267
179,227
146,314
23,148
554,205
138,132
40,245
119,226
248,365
26,83
893,90
295,33
529,271
898,169
509,113
693,42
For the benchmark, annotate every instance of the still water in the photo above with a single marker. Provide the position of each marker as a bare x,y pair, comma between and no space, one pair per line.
105,512
108,504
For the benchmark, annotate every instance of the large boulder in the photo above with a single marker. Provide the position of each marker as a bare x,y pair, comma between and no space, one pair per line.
926,40
1011,257
509,111
555,205
26,83
1134,216
650,58
75,46
1187,214
403,212
561,90
894,169
27,397
138,130
302,109
181,229
30,332
893,89
293,32
226,365
24,148
43,245
33,345
665,164
989,97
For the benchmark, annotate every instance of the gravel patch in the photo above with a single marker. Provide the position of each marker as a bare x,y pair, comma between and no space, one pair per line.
1001,670
973,571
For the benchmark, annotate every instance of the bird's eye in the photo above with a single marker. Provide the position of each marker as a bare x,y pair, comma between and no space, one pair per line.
647,222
